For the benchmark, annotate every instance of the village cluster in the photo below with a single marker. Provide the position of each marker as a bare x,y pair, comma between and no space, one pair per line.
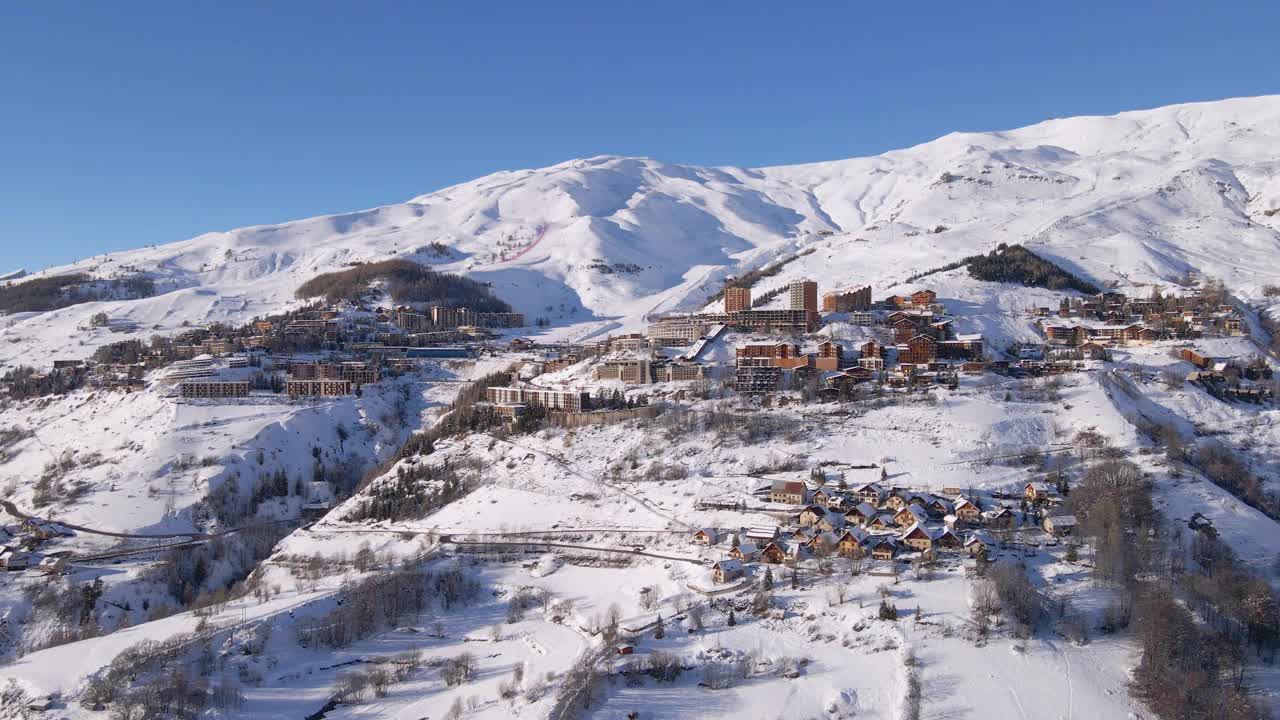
317,352
872,519
20,542
907,342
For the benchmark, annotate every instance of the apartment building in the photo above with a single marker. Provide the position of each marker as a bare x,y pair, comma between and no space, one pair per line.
214,388
631,342
737,299
757,380
563,400
446,318
677,330
317,388
500,319
830,356
776,321
676,372
412,322
847,301
803,295
780,355
629,370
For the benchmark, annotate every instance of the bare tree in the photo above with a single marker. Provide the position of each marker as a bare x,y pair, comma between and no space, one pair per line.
380,679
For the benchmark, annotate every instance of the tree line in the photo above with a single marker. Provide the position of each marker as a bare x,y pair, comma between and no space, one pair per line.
407,282
1190,668
58,291
1016,264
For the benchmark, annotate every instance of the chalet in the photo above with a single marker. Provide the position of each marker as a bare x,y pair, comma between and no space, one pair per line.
830,522
791,492
882,521
1037,491
946,539
999,517
897,501
11,559
870,493
860,514
760,534
840,501
51,564
1092,351
724,571
918,537
1195,358
744,552
822,543
923,539
923,298
1060,525
804,534
918,498
980,543
911,515
938,506
966,510
705,536
883,547
850,541
773,553
810,516
43,529
819,497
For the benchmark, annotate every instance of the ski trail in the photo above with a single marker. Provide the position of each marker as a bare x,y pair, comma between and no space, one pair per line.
1066,661
542,233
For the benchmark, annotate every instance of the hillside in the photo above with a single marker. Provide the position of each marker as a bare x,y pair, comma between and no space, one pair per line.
353,527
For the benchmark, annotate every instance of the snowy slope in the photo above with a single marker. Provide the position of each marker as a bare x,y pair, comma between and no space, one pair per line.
599,243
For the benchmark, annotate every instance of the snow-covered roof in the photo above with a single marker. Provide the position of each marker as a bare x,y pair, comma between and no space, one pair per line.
728,565
865,510
980,536
916,512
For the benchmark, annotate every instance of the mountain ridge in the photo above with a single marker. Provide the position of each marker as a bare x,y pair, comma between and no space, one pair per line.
598,244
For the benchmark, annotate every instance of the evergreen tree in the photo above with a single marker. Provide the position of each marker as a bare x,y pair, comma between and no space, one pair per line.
888,611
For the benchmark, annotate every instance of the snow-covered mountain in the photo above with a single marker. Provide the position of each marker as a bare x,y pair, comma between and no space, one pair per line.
596,246
599,243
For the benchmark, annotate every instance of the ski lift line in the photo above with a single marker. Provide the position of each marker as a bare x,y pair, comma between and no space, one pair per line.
542,233
1047,451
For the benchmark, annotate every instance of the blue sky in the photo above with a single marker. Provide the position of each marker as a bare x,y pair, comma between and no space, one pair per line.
127,124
